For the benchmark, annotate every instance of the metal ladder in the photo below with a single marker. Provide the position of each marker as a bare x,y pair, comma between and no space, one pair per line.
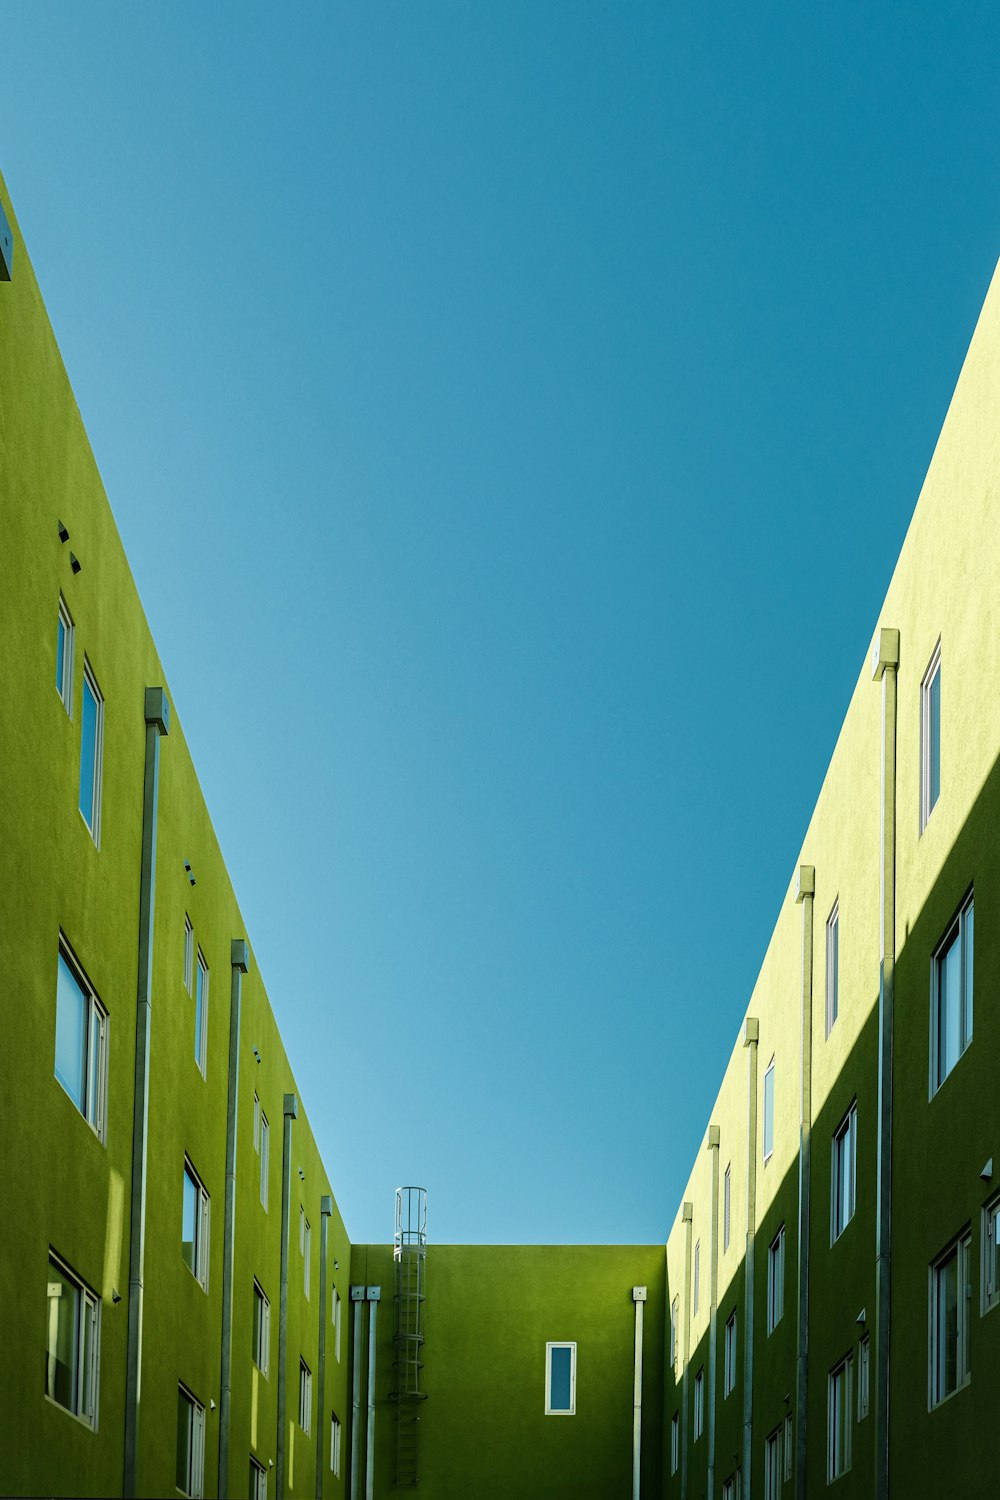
410,1265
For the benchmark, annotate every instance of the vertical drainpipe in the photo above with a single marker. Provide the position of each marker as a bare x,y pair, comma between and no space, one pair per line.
713,1308
357,1298
687,1218
751,1036
373,1294
804,894
639,1298
239,958
157,716
885,663
325,1210
291,1111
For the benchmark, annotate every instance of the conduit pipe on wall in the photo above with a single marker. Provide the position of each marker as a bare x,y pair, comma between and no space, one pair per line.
157,715
713,1309
290,1111
325,1210
751,1036
687,1218
239,957
639,1298
357,1298
805,891
885,665
373,1294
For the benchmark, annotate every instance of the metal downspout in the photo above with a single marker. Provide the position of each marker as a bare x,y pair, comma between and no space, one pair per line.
639,1298
357,1297
373,1294
713,1309
291,1111
687,1217
751,1036
325,1210
885,663
157,715
240,960
804,895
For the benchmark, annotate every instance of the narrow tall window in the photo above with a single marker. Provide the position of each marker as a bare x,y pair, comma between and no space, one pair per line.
950,1294
699,1404
306,1256
729,1357
838,1446
335,1443
930,737
64,657
991,1255
789,1451
305,1397
190,1444
772,1465
864,1377
727,1202
675,1441
258,1480
91,753
832,967
201,1011
194,1225
731,1487
560,1380
265,1156
845,1166
72,1340
261,1330
188,956
769,1110
776,1280
335,1318
951,997
697,1276
675,1313
81,1043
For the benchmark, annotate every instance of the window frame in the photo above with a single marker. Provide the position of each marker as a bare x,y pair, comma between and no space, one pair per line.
305,1397
696,1279
731,1486
789,1450
768,1150
959,1250
838,1462
727,1206
94,1105
990,1275
675,1442
845,1143
772,1464
261,1330
957,931
306,1256
265,1158
201,978
335,1318
188,955
90,684
560,1411
864,1377
336,1443
675,1319
85,1407
66,636
927,746
198,1265
699,1404
729,1356
196,1438
833,967
776,1281
258,1479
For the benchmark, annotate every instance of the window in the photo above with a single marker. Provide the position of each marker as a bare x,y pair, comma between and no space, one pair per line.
950,1295
261,1329
788,1448
258,1481
991,1255
930,737
190,1443
91,753
845,1166
838,1443
697,1276
64,657
194,1225
188,956
335,1318
305,1397
776,1280
335,1443
81,1043
675,1313
832,967
560,1380
731,1487
675,1441
265,1151
864,1377
201,1011
699,1403
772,1465
951,997
727,1199
769,1110
306,1254
72,1341
729,1357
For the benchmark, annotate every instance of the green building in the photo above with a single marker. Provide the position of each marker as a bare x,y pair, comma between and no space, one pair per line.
184,1310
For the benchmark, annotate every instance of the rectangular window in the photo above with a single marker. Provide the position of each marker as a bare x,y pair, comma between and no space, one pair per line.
769,1110
560,1380
256,1124
729,1357
675,1313
188,956
194,1225
675,1441
91,753
190,1443
305,1397
335,1443
772,1465
832,967
265,1155
838,1446
697,1276
951,997
72,1341
201,1011
776,1280
991,1255
81,1042
930,737
258,1480
727,1201
950,1298
699,1404
64,656
335,1318
731,1487
789,1451
845,1167
306,1256
261,1329
864,1376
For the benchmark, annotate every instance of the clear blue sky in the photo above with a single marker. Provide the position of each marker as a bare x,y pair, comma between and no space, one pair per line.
512,413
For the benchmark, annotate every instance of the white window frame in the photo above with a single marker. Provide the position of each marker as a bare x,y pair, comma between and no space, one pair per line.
201,1020
256,1123
990,1278
838,1462
258,1479
188,955
833,967
90,684
776,1280
195,1478
202,1226
336,1437
768,1148
864,1377
306,1256
305,1396
262,1346
727,1206
335,1319
729,1356
94,1105
699,1403
843,1196
675,1316
560,1411
788,1449
87,1319
932,674
265,1158
696,1280
772,1465
960,930
675,1442
959,1250
731,1487
64,683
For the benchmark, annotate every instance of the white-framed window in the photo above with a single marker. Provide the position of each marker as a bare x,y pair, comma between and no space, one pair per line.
256,1123
265,1157
64,656
81,1063
951,1296
201,1011
789,1449
190,1443
838,1426
951,996
864,1377
844,1175
335,1442
776,1280
675,1314
930,737
195,1225
697,1276
261,1329
560,1379
306,1254
832,967
769,1111
991,1255
258,1480
772,1465
731,1487
72,1342
727,1206
305,1396
699,1403
729,1356
675,1442
335,1319
91,752
188,955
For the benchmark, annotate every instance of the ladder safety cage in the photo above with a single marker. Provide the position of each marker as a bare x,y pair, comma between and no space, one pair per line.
410,1266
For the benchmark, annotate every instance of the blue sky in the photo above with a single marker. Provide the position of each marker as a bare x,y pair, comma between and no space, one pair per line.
512,415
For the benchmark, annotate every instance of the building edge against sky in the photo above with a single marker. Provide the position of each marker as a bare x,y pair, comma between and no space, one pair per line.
174,1249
